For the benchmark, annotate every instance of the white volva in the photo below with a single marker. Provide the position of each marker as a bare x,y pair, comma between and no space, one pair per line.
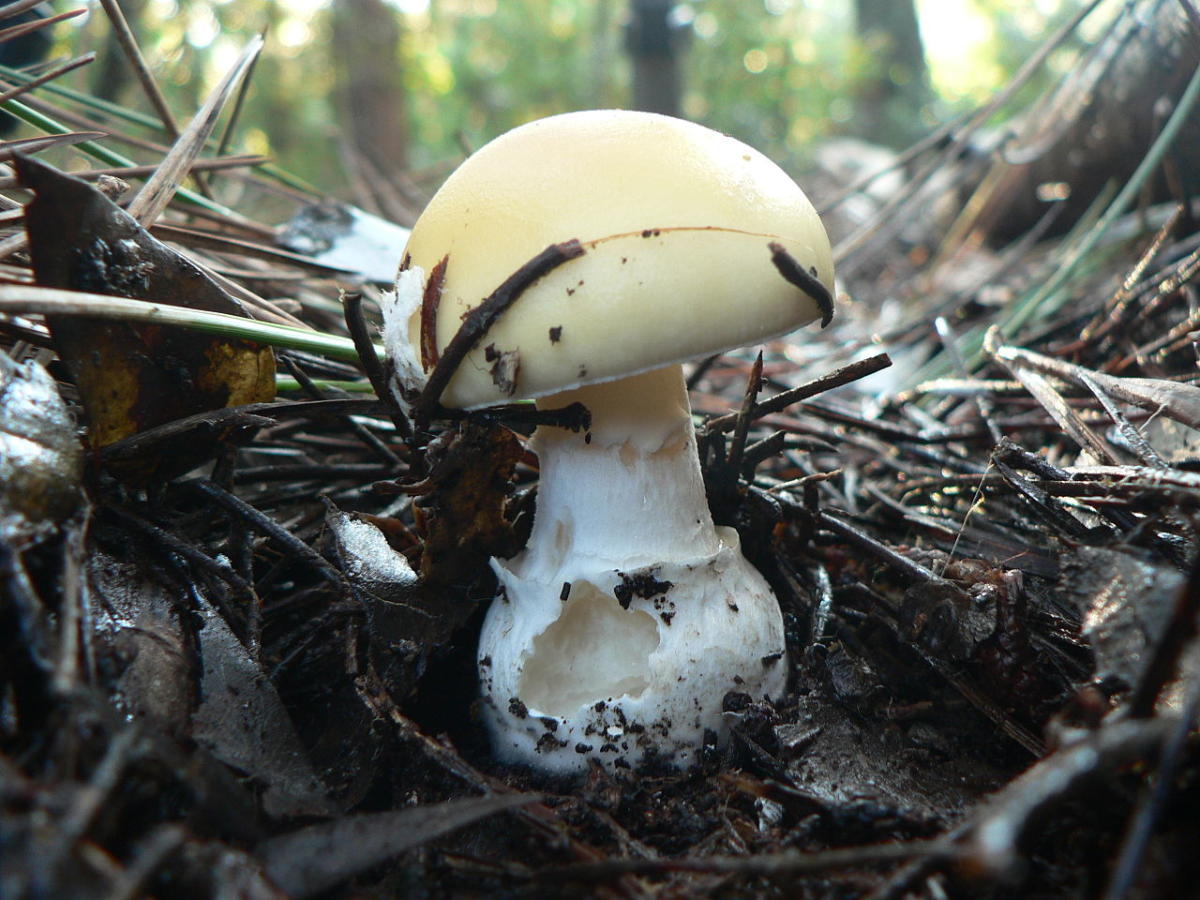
629,616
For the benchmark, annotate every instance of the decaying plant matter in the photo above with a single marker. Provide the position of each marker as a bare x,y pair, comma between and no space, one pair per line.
237,636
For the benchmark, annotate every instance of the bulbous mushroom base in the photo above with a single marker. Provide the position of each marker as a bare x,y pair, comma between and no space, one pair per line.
626,666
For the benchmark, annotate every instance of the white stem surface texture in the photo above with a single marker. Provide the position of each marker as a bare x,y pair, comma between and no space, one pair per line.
628,617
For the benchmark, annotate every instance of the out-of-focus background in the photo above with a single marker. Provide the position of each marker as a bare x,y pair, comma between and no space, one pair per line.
353,89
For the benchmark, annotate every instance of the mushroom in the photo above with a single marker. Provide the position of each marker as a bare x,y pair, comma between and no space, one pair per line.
628,616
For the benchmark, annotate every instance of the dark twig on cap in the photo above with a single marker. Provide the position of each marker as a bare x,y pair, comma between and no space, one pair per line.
806,280
482,317
431,299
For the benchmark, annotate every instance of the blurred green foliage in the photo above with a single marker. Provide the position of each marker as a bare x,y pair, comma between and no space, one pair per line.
776,73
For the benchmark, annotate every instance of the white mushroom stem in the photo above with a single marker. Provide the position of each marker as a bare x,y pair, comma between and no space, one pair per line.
629,493
628,616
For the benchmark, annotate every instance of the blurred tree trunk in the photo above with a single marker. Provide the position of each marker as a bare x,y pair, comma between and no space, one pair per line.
1097,127
892,95
112,72
371,102
655,45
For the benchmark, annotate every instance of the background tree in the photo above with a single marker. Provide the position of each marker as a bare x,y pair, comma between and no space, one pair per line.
370,86
111,74
1094,130
655,41
448,75
892,93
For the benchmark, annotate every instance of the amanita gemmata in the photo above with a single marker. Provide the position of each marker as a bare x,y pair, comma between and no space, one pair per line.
619,629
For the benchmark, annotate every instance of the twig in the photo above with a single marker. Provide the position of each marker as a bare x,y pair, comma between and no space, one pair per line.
573,417
483,316
1179,630
89,800
239,102
1120,301
251,415
742,426
357,325
366,435
910,571
200,560
36,144
1050,399
125,37
1137,837
69,66
9,10
1133,437
156,193
784,399
1193,16
149,856
982,402
701,370
995,837
26,299
15,31
199,165
763,865
265,525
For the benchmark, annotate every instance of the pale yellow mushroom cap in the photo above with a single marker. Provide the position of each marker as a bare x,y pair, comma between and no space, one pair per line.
677,222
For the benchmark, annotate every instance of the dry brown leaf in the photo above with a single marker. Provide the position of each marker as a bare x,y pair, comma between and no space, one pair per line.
134,377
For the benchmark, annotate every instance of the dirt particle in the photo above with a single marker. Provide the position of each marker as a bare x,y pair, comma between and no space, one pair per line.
549,723
771,658
556,332
565,593
642,585
517,708
548,743
505,365
583,748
